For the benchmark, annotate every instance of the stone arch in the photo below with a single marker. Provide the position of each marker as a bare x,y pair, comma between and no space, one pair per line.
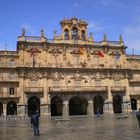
78,106
74,33
11,108
133,104
117,104
33,105
56,106
66,34
98,104
1,108
83,35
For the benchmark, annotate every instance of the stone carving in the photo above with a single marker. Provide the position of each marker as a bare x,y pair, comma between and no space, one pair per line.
56,76
77,77
34,75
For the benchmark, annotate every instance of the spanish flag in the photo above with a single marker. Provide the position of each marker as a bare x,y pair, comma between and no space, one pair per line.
100,54
81,50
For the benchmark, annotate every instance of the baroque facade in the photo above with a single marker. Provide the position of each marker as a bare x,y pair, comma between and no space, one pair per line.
69,75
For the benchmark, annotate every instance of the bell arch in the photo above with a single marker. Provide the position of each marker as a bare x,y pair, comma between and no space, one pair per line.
78,106
11,108
33,105
56,106
98,104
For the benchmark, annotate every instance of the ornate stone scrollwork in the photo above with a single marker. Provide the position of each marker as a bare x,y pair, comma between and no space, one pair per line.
55,76
34,75
77,77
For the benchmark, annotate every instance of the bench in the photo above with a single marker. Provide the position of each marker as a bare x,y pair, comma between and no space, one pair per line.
121,117
62,120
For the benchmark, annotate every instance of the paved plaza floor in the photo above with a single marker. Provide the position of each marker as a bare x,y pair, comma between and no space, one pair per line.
79,128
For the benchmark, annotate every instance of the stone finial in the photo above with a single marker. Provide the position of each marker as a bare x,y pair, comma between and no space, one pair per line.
121,39
105,38
54,34
91,36
42,33
23,32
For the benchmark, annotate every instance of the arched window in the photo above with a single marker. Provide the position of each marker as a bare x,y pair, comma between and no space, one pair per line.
74,33
83,37
66,34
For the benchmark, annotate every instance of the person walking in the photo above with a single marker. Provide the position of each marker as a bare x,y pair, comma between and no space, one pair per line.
35,123
138,117
98,112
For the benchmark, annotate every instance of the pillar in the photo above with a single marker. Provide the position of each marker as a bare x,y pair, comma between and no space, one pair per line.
4,109
90,108
65,109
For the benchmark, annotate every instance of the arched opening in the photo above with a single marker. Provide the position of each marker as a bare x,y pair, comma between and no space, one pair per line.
117,104
33,105
66,34
77,106
1,108
11,108
133,104
83,37
98,104
56,106
74,33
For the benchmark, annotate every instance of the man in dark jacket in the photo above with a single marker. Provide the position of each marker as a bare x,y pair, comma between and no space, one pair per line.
35,123
138,117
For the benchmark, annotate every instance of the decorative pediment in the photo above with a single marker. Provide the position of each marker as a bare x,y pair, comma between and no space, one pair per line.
55,50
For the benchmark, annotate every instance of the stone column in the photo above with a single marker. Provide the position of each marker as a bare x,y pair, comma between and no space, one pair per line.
65,109
110,102
4,109
90,108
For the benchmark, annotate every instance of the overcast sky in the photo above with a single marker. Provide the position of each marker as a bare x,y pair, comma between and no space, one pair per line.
113,17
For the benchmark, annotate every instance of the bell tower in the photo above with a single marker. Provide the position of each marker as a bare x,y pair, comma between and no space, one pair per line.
74,29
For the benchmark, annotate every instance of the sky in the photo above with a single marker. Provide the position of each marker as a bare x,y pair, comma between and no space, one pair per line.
110,17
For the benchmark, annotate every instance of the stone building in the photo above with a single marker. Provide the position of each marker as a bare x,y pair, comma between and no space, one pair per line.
69,75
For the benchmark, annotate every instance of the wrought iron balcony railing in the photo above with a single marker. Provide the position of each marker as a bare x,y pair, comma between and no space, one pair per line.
118,89
77,88
33,90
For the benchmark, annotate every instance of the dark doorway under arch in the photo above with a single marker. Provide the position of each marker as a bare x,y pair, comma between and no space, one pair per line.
98,104
56,106
133,104
1,108
117,104
78,106
33,105
11,108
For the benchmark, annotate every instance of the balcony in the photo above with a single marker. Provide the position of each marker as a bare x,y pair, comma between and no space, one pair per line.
33,90
118,89
78,88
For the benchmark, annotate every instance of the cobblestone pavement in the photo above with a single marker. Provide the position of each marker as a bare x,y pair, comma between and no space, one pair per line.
79,128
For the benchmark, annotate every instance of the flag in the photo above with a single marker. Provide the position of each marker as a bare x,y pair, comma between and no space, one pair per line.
117,56
100,54
81,50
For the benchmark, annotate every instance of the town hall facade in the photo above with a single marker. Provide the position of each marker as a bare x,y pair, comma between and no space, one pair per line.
69,75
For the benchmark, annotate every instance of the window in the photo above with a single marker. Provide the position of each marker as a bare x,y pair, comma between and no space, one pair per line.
11,63
11,76
11,91
76,60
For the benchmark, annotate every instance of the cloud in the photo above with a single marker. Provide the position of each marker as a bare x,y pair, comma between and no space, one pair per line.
95,26
28,27
132,36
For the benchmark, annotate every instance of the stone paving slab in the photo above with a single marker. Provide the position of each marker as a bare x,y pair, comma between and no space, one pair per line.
79,128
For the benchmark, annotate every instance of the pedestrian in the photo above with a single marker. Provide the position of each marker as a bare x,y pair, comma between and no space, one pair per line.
138,117
35,123
98,112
